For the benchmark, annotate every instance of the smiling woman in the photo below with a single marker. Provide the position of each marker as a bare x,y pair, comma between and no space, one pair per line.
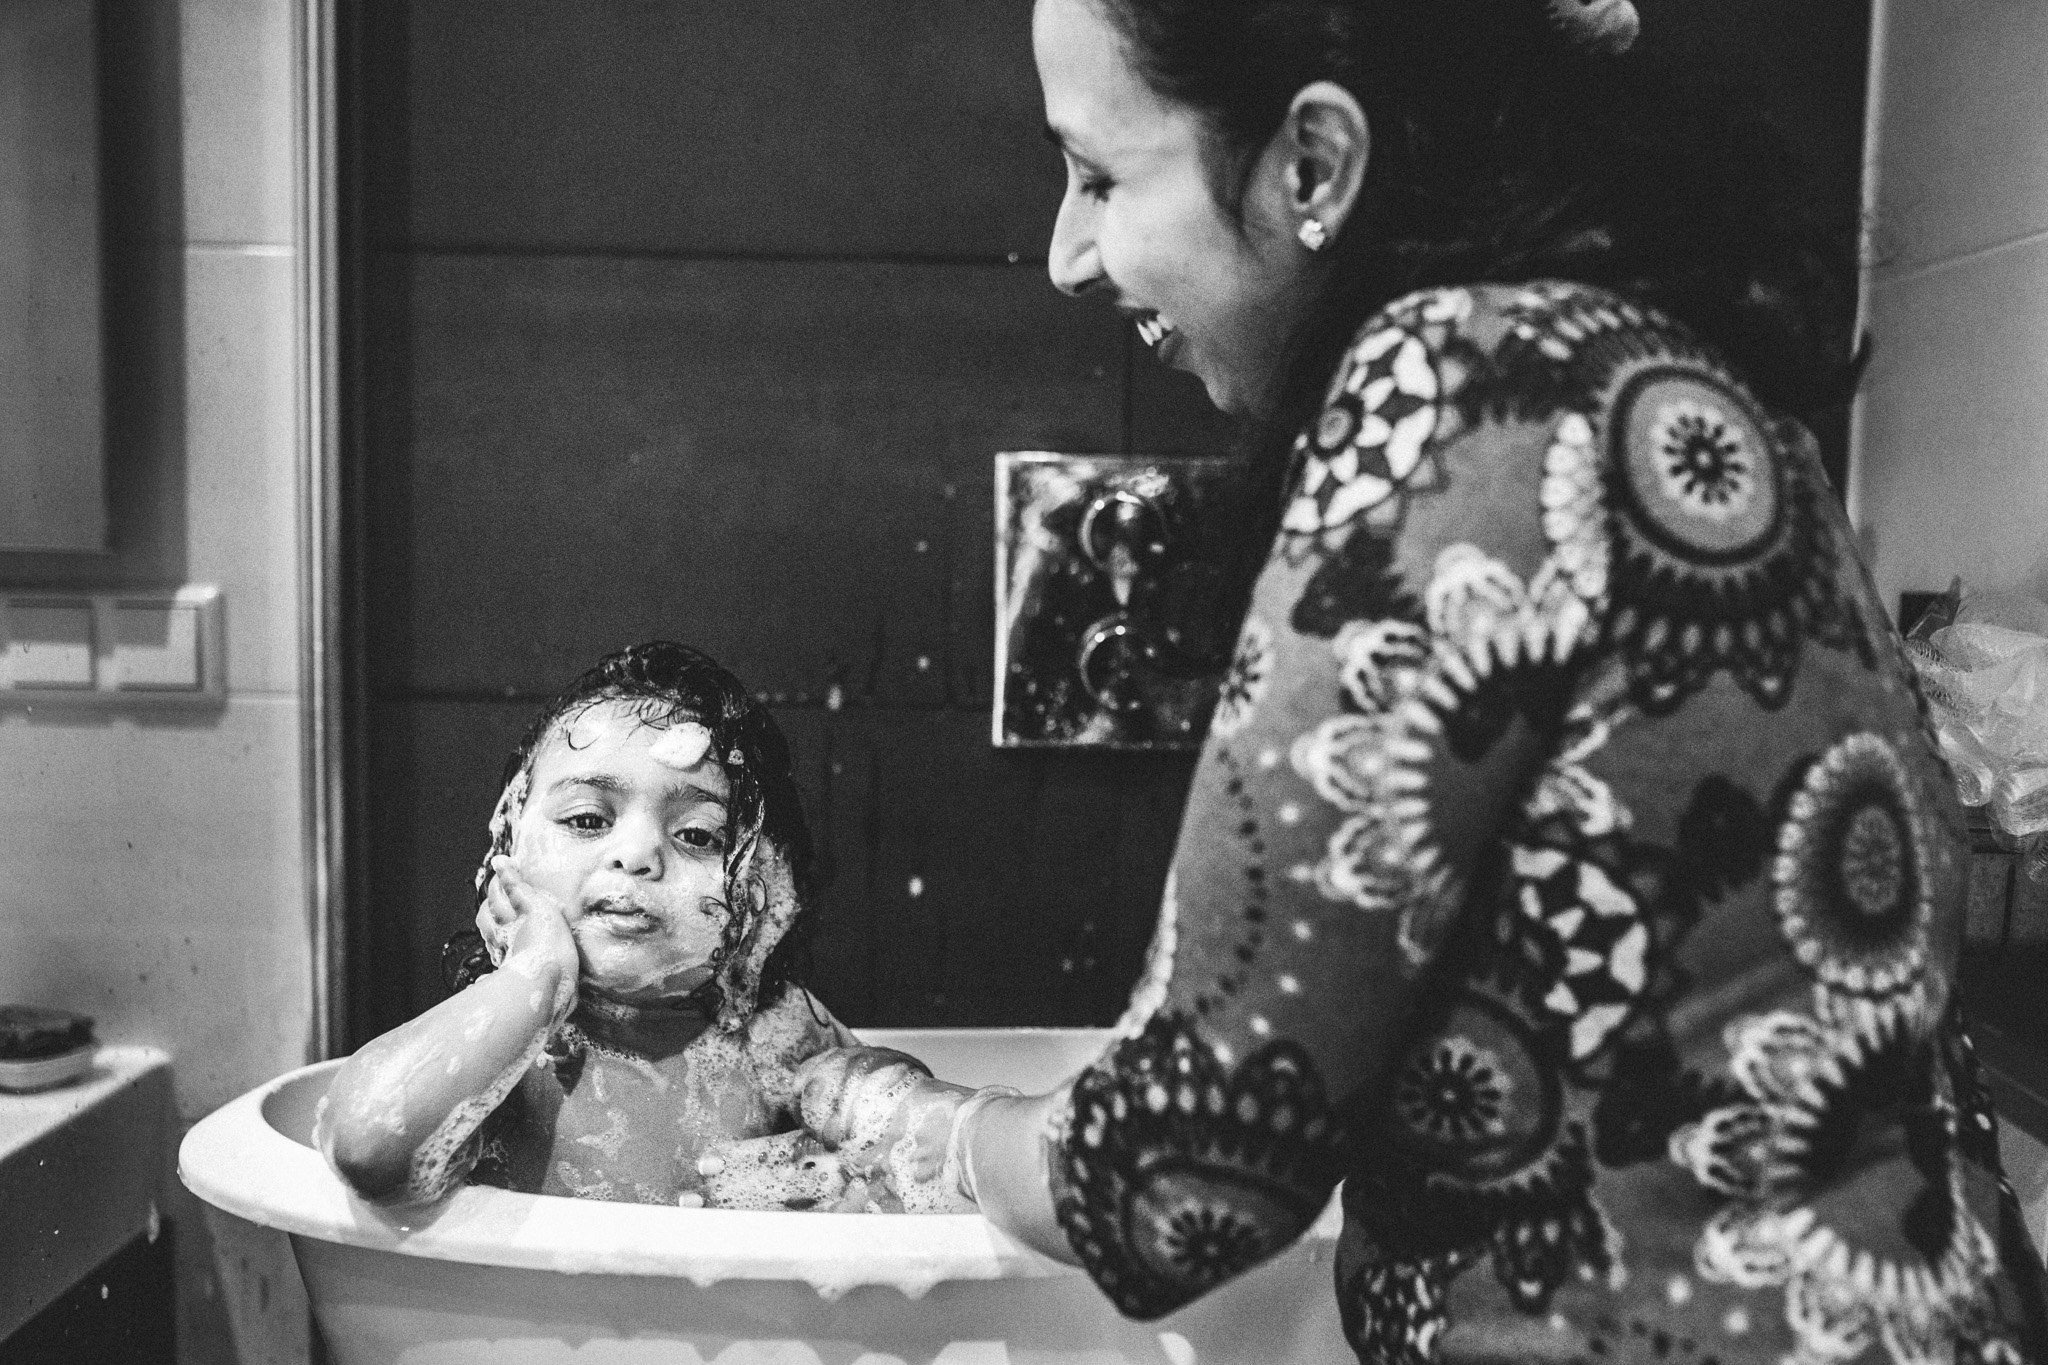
1571,874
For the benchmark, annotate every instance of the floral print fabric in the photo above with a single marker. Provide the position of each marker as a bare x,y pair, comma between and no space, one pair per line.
1568,871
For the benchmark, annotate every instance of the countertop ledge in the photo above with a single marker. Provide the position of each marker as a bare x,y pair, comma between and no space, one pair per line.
81,1168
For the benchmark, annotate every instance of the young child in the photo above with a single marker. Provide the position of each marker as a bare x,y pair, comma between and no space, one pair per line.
639,1036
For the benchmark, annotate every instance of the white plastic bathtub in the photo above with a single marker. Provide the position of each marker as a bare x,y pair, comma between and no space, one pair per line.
495,1278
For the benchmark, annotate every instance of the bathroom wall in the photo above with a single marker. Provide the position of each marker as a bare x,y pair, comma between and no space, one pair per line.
1951,470
152,861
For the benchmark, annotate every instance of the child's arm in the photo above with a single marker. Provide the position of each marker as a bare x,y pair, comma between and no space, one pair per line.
400,1120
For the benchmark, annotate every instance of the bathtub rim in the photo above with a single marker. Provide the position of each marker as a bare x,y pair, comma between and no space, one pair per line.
235,1160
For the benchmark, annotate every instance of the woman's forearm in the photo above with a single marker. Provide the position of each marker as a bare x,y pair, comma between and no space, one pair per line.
398,1120
1006,1150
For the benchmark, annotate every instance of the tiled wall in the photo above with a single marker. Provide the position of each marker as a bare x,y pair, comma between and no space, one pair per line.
1952,464
152,862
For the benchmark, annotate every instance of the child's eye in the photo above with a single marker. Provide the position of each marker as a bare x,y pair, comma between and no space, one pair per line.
589,821
1097,187
702,838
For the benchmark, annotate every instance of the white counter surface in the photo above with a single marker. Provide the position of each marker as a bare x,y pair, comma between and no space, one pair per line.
80,1170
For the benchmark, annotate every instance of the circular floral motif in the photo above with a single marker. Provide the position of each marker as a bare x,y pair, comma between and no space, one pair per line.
1780,1153
1474,1100
1476,1159
1453,1093
1245,681
1696,468
1706,461
1177,1172
1208,1243
1721,558
1853,894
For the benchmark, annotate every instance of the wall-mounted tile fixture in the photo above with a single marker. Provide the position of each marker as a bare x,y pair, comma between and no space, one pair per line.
130,650
1112,627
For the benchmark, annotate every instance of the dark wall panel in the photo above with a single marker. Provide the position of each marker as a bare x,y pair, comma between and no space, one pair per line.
787,463
768,127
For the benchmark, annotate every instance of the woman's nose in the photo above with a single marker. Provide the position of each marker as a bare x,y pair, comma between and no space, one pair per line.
1073,260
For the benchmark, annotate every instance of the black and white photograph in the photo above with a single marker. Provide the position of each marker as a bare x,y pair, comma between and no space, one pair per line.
1023,682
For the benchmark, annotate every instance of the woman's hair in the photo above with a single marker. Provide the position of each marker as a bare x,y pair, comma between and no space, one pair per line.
670,684
1502,152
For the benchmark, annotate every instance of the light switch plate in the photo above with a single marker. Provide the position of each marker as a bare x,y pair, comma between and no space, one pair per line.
129,650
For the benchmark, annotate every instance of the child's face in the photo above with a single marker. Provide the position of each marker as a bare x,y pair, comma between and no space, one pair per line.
625,824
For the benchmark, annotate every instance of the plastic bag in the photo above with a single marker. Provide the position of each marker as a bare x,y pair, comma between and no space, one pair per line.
1982,658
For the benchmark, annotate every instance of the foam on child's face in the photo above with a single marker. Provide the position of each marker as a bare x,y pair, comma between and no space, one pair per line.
619,826
681,746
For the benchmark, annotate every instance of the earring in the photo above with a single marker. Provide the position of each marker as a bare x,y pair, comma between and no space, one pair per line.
1313,234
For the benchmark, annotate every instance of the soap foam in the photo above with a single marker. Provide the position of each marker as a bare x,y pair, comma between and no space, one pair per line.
783,1171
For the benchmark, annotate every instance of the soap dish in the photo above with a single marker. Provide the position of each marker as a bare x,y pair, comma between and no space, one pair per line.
42,1073
40,1048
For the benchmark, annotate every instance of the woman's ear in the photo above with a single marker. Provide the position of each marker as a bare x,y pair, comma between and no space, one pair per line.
1316,161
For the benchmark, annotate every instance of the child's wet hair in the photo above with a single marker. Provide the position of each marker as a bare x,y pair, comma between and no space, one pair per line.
672,684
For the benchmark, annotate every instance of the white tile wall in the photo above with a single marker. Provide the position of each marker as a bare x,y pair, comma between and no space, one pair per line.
235,79
1963,146
153,874
1950,471
240,460
164,889
1954,420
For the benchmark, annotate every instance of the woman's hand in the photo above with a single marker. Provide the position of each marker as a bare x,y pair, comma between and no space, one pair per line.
528,927
889,1121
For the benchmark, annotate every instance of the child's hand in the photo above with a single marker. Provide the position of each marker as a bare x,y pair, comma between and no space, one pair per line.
888,1120
518,919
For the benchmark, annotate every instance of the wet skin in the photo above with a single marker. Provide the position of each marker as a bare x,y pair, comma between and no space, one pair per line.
584,1060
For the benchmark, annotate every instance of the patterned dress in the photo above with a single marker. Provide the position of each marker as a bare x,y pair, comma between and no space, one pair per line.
1570,872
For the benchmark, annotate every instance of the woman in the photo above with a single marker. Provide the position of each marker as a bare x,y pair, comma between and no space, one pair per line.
1568,869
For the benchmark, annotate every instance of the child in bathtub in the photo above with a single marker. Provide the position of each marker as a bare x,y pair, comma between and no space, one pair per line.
638,1037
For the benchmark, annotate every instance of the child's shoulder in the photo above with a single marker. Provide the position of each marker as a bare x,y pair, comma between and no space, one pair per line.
796,1025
